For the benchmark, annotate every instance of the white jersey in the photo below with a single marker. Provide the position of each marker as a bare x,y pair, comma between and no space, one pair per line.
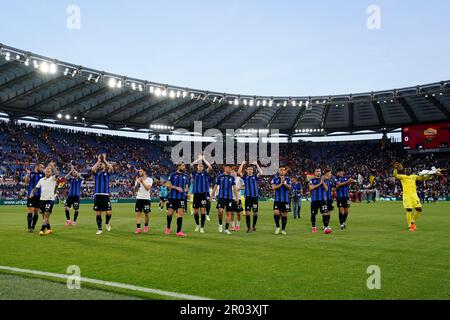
48,188
143,193
239,184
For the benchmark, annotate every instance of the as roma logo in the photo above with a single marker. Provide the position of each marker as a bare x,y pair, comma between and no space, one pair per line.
430,134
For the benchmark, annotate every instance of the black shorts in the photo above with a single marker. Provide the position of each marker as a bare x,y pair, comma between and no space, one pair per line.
251,203
46,206
319,205
330,206
176,204
343,203
237,206
163,199
73,201
282,206
33,202
102,202
143,205
226,204
200,201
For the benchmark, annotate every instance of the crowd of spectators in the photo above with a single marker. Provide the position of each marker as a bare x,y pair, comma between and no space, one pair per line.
368,162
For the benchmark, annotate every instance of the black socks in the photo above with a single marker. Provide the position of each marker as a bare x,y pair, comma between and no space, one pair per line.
283,223
277,220
203,219
99,222
326,220
179,223
313,220
29,220
255,219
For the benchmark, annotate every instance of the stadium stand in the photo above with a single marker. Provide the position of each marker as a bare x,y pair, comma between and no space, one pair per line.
22,144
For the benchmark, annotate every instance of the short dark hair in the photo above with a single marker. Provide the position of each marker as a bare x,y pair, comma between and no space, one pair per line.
38,162
339,169
144,169
327,170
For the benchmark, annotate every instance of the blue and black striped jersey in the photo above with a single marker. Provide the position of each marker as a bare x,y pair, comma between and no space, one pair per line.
330,185
318,194
343,191
225,183
101,182
251,186
281,194
181,180
201,182
75,187
34,179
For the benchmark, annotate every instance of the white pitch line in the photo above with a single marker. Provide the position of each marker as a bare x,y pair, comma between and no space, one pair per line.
107,283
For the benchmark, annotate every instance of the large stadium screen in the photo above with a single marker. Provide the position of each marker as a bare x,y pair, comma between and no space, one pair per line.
429,136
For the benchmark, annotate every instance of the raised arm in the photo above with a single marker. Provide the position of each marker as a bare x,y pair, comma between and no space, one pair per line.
109,166
241,168
27,177
424,178
208,165
95,167
260,171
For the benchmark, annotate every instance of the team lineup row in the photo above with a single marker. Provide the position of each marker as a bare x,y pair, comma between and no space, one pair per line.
229,188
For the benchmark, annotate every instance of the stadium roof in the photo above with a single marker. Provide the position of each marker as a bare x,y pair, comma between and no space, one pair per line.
44,89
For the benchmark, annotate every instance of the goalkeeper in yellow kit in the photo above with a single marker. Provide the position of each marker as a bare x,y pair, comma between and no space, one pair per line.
411,200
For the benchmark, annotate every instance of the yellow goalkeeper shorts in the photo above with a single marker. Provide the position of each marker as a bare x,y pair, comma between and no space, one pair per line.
411,202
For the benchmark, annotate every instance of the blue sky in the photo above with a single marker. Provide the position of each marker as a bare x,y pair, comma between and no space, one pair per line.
249,47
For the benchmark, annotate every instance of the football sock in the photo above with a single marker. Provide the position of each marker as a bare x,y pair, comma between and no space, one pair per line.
326,220
255,219
277,220
203,219
169,221
220,221
48,226
247,220
345,217
408,217
29,219
43,227
227,225
196,217
99,222
108,218
283,222
146,224
179,224
67,214
341,218
138,225
75,216
313,220
35,220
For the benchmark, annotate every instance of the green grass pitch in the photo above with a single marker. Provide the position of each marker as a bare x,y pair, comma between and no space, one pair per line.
259,265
